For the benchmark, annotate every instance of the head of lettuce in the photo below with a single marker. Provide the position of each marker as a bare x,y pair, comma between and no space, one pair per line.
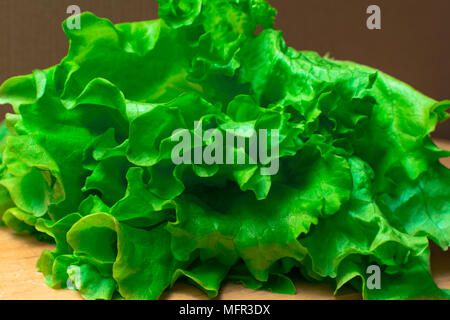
86,161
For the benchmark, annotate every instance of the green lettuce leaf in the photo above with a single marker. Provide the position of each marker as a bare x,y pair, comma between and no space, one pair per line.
86,161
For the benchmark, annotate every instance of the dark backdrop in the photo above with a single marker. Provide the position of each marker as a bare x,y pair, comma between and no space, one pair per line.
413,44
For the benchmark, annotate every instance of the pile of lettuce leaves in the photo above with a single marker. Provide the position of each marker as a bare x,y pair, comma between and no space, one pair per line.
86,162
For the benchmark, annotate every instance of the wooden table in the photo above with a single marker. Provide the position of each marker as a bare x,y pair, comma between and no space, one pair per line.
20,280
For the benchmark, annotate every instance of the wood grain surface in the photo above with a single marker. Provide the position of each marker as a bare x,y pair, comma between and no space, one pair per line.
20,280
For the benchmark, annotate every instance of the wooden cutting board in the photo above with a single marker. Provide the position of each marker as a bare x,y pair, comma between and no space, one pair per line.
20,280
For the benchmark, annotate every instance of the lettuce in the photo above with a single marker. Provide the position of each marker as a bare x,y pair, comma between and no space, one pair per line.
86,161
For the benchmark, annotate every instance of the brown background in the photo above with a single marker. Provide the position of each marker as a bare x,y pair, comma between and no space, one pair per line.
413,44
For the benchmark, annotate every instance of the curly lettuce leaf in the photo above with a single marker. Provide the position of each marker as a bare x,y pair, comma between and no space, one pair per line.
86,161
